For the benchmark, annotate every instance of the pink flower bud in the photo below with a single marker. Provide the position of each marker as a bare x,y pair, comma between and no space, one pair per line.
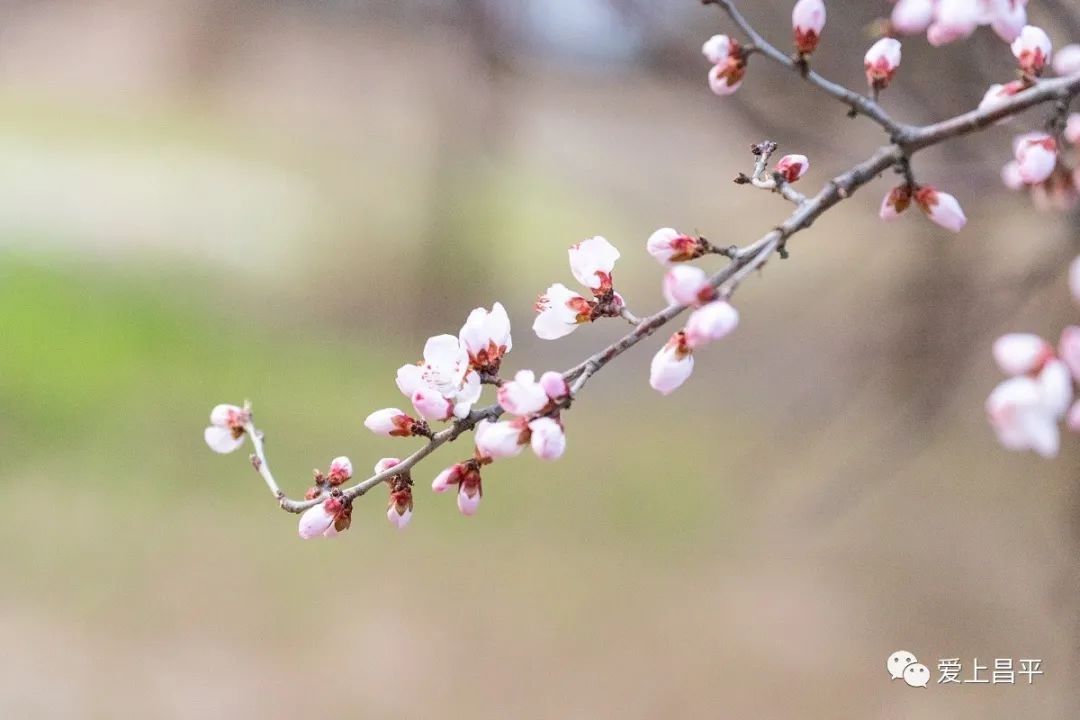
1032,49
997,95
226,431
808,20
687,285
398,519
449,477
668,245
431,405
1072,129
1067,60
340,470
716,48
523,395
386,464
327,519
710,322
881,62
1008,18
1036,157
501,439
1074,279
942,208
1069,349
912,17
725,78
1021,353
793,167
1019,416
1010,176
548,439
953,20
390,422
895,202
672,365
554,385
468,501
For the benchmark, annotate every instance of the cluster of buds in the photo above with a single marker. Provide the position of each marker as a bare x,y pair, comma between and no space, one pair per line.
728,61
942,208
560,310
333,514
946,21
1025,410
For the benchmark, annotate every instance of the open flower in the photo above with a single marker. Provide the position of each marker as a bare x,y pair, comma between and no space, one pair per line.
881,62
327,519
672,365
1032,49
807,22
486,337
668,245
793,167
1036,157
560,310
443,385
226,430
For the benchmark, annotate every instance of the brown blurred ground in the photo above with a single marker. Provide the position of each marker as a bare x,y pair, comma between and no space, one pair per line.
205,201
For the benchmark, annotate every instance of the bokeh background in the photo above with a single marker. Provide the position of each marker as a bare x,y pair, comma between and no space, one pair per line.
203,201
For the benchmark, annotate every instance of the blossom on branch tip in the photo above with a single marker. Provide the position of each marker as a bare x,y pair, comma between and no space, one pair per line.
502,439
793,167
710,322
392,422
1036,157
327,519
226,430
1021,353
942,208
1067,60
687,285
881,62
1032,49
672,365
807,22
486,337
668,245
912,16
523,395
443,385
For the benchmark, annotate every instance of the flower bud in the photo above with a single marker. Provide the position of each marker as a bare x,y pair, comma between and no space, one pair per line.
881,62
895,202
501,439
793,167
1032,49
386,464
953,20
672,365
1067,60
548,438
716,48
687,285
554,385
912,17
1021,353
710,322
1036,157
668,245
431,405
942,208
340,470
807,21
523,395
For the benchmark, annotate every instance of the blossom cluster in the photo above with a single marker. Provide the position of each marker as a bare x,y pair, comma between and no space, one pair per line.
1026,409
947,21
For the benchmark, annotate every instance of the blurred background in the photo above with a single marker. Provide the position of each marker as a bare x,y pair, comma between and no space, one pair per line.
203,201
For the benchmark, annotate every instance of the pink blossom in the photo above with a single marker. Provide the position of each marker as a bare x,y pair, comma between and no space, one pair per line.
726,75
1008,18
502,439
448,477
1072,128
554,385
592,262
1074,279
548,439
881,62
340,470
895,202
560,310
716,48
1021,353
326,519
687,285
523,395
398,518
1056,387
443,385
710,322
668,245
226,430
1032,49
1010,175
953,20
486,337
1067,60
672,365
793,167
385,464
998,95
807,21
940,207
1036,157
390,422
912,16
468,500
1022,418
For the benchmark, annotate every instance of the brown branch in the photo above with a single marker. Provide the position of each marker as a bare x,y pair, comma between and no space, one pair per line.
907,140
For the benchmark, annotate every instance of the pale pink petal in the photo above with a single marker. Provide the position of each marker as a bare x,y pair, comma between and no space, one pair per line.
559,312
548,439
1056,388
499,439
316,521
954,20
670,368
468,394
398,520
446,479
554,385
1072,420
444,351
1020,418
716,48
807,21
385,464
468,504
523,395
1036,157
221,439
1021,353
1010,176
1069,349
1072,128
592,261
668,243
1009,19
1067,60
483,328
711,322
723,81
686,285
1032,49
912,17
431,405
227,415
410,378
941,207
340,470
